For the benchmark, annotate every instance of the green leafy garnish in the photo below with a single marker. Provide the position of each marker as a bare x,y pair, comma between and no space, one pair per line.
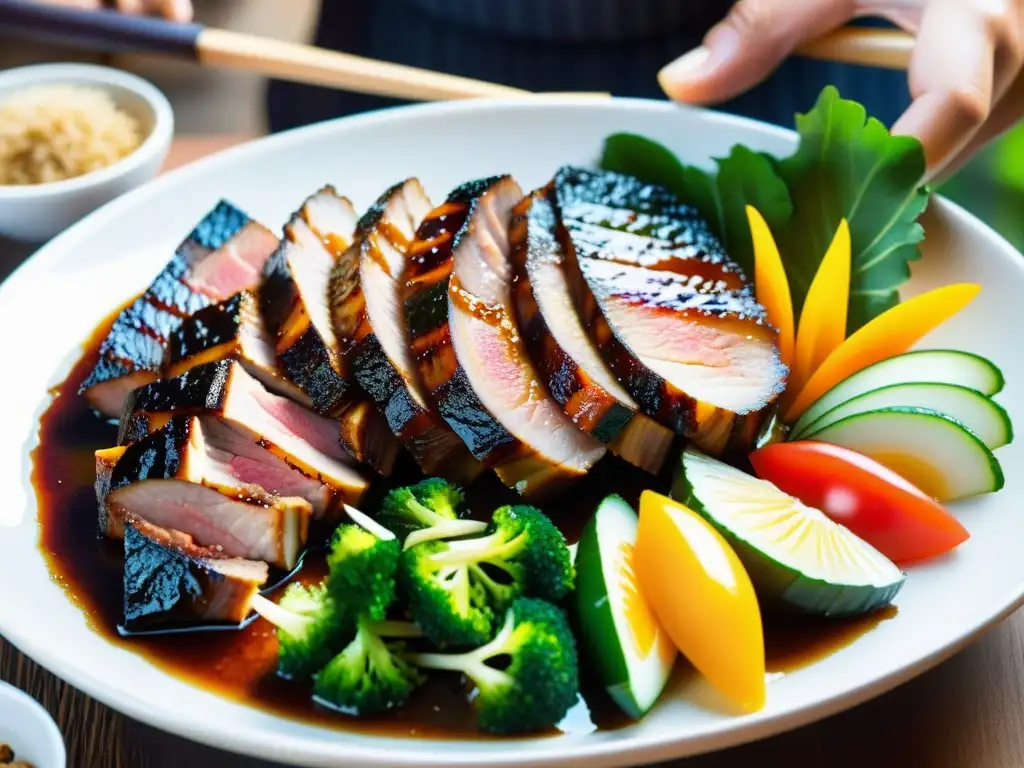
846,165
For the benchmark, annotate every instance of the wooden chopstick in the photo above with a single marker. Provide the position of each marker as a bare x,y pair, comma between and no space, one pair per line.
318,66
868,47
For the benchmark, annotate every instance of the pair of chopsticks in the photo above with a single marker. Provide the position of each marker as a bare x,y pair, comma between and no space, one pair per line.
110,31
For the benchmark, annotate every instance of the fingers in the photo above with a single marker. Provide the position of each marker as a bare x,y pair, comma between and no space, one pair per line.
954,80
177,10
1006,114
743,49
130,6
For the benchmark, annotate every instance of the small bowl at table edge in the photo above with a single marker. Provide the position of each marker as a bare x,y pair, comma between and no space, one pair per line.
36,212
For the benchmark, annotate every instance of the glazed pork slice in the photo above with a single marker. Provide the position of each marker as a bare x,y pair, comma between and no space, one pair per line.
243,455
230,329
548,293
171,583
670,313
366,291
305,440
223,254
297,301
174,480
294,299
458,307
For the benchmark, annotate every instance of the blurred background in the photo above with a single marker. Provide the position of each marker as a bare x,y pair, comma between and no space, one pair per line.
211,102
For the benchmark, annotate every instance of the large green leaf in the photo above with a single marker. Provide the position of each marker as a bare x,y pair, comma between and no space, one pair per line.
846,165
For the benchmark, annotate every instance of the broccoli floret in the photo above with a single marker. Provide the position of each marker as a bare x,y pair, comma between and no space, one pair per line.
527,676
431,509
310,629
370,675
522,553
446,602
361,571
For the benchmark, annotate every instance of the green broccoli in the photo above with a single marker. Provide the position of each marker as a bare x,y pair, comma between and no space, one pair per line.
522,553
455,589
370,675
310,629
527,677
430,509
450,606
361,571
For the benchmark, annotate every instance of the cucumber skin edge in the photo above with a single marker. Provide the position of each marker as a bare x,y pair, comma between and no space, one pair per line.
789,591
593,610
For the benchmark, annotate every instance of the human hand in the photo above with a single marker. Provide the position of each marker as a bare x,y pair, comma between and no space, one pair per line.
175,10
965,73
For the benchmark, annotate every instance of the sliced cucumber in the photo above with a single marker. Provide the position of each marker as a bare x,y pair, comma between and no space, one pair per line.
798,559
931,450
985,418
943,366
633,656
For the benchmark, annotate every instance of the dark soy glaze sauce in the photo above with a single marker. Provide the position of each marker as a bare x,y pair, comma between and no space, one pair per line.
239,664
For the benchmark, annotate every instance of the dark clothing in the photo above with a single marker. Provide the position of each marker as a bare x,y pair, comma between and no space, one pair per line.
399,31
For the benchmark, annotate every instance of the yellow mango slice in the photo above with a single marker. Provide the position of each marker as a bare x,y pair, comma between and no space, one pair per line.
822,325
702,597
771,284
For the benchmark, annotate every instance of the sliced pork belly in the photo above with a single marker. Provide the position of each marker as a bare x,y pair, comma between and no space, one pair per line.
225,253
548,293
230,329
237,449
671,314
366,301
458,306
305,440
172,583
294,299
297,298
172,479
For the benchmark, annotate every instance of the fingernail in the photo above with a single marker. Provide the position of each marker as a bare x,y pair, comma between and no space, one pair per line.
685,66
719,44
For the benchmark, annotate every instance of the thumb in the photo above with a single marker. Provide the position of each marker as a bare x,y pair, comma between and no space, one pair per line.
744,48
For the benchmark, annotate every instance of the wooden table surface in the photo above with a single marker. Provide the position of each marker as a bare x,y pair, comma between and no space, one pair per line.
966,713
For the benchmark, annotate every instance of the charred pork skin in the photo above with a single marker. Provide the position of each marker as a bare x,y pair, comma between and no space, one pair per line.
366,302
297,300
225,253
174,480
548,294
171,583
471,358
672,315
304,440
230,329
294,298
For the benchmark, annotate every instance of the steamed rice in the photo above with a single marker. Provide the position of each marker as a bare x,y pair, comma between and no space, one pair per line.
54,132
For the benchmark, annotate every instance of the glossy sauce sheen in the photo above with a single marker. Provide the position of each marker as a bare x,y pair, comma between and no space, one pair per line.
239,664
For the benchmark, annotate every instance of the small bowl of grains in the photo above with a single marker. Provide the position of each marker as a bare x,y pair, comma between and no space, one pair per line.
72,138
29,738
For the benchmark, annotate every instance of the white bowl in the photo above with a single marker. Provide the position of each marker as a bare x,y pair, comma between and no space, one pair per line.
29,730
37,212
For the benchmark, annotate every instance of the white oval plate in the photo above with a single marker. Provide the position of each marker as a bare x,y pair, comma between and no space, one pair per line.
52,302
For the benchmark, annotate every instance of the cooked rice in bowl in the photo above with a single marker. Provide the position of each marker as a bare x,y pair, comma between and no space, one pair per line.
55,132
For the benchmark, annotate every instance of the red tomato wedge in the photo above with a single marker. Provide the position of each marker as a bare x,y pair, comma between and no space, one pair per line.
875,503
